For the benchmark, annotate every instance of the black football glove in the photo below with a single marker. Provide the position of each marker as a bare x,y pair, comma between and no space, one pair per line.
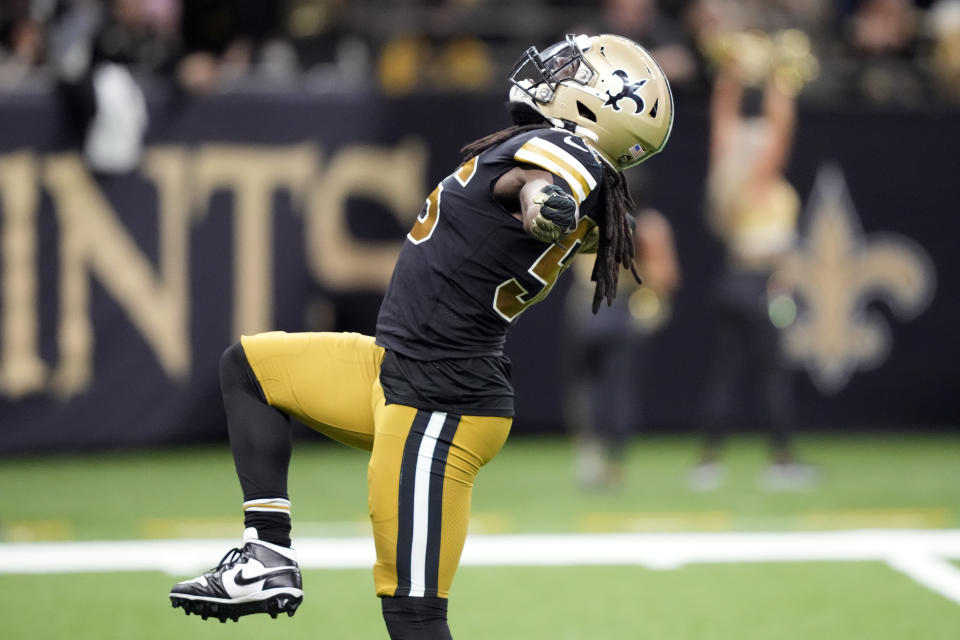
558,214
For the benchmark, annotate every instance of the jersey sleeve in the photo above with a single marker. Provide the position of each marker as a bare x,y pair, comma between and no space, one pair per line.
564,155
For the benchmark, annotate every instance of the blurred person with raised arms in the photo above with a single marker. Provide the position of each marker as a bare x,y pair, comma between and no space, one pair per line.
430,395
752,209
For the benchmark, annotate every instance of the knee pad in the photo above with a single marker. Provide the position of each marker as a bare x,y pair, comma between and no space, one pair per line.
416,618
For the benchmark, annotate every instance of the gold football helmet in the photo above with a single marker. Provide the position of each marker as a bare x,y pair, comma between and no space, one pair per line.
606,88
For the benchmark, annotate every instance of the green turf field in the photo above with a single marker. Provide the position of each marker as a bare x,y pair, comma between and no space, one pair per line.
867,482
742,602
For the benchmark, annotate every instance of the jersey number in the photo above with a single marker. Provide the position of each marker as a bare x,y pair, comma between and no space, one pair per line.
428,218
511,298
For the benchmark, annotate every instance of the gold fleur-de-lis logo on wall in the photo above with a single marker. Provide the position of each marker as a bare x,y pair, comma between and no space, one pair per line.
836,272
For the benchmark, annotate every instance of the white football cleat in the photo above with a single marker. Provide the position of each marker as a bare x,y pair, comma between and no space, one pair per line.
259,577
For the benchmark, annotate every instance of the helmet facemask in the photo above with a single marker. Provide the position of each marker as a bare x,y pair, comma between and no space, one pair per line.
539,74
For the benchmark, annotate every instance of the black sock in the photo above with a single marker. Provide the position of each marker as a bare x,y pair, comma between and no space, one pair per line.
416,618
270,517
261,446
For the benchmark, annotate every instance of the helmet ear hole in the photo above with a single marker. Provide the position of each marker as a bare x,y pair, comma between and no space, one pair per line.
586,112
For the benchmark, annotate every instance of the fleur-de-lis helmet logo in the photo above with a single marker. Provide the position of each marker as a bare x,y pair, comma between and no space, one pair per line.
627,91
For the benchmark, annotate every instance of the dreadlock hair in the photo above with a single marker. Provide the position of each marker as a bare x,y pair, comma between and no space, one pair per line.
615,247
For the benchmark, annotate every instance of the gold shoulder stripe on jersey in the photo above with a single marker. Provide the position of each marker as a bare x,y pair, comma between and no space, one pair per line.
523,155
555,160
554,149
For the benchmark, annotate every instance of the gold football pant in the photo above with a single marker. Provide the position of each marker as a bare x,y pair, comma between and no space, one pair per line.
422,463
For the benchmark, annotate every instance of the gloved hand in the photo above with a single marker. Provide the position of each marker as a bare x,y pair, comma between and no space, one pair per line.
557,216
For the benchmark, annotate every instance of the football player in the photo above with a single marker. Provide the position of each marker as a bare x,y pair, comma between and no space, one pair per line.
430,395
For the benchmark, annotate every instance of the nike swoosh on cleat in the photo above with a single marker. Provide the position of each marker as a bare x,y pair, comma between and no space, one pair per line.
241,580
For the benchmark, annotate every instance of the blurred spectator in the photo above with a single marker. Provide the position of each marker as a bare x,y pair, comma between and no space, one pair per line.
225,40
416,62
943,25
333,55
21,38
883,35
899,52
446,52
94,47
643,22
607,353
883,26
753,210
141,34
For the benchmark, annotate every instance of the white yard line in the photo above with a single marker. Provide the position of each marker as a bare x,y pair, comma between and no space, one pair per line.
916,553
934,573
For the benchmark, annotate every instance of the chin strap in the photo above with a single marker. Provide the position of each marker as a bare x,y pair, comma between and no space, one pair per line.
573,127
585,133
590,138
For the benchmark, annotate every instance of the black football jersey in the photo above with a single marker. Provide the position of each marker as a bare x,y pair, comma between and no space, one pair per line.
468,269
